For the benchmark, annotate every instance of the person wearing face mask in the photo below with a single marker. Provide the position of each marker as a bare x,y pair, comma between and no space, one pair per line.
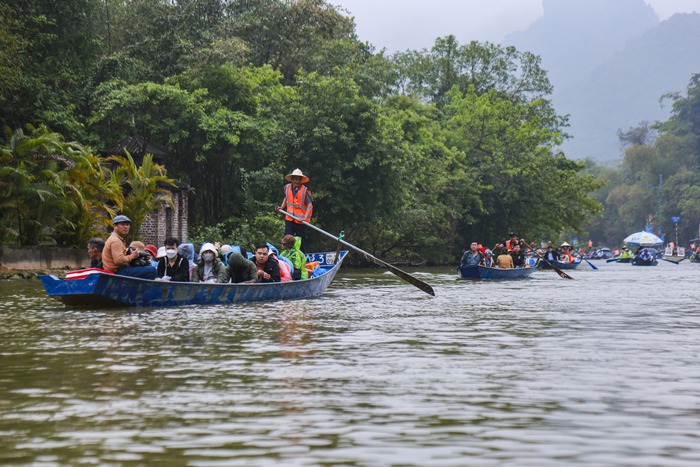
209,268
173,267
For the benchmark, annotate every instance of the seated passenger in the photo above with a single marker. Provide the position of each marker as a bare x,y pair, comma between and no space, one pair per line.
488,259
209,268
186,250
142,259
241,269
472,257
505,261
116,257
291,245
551,254
268,269
152,253
518,257
94,248
173,267
223,252
565,256
285,267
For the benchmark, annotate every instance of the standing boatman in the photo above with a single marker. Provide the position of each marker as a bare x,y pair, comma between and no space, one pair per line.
297,201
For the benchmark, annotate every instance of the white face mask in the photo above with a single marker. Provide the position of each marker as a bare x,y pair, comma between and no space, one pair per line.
171,253
208,257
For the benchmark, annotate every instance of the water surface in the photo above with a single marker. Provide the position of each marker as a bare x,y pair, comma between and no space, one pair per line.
600,370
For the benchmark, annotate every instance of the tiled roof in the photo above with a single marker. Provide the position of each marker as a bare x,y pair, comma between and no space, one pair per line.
136,147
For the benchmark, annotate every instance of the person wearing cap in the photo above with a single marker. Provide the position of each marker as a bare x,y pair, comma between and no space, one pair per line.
173,267
209,268
95,246
116,257
472,257
223,251
297,201
152,253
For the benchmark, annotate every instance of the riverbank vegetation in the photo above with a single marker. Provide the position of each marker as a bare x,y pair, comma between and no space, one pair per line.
413,155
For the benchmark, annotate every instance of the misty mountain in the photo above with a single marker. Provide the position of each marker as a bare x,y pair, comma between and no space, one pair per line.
610,63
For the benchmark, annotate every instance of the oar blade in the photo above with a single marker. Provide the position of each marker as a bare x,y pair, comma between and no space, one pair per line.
402,274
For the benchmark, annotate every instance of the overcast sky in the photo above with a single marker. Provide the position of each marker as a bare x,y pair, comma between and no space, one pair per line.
415,24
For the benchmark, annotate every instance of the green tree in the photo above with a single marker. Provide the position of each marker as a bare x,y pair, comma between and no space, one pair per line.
33,184
291,36
143,188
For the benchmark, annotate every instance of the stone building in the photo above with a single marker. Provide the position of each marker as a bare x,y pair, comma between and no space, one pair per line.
168,220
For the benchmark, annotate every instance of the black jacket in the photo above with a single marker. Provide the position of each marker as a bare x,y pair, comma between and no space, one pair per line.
272,267
179,272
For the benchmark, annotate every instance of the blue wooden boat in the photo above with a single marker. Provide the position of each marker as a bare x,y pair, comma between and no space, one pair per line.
644,262
483,272
101,290
561,265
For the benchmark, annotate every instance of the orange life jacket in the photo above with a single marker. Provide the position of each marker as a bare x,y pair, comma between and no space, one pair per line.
296,204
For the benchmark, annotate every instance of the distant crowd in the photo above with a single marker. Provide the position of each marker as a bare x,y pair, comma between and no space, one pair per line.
512,253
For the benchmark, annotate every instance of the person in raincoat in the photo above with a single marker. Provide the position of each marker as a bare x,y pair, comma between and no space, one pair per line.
291,249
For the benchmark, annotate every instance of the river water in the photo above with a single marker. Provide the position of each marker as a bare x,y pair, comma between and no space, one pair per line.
600,370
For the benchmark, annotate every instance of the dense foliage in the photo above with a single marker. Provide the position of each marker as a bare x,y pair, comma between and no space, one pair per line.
658,179
413,155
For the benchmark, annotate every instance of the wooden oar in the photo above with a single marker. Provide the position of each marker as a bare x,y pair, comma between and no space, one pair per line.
671,261
402,274
556,269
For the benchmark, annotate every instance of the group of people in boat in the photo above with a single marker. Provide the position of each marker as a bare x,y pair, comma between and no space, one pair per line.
215,262
509,254
513,252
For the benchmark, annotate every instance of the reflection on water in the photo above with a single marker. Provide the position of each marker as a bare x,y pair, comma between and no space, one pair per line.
600,370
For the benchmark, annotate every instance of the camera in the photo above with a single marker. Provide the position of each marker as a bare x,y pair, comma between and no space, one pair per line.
143,254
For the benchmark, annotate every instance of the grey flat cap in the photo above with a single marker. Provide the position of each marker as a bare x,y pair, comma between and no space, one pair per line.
121,218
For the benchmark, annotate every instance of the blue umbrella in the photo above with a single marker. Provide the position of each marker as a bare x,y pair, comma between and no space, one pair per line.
643,239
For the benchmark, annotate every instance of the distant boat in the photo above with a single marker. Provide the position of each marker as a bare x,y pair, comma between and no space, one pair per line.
676,257
560,264
484,272
103,290
649,260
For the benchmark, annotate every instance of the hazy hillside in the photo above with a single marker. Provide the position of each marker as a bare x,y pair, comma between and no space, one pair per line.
573,37
610,62
626,89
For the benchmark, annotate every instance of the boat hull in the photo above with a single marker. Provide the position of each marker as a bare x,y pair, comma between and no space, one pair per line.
107,290
483,272
674,258
641,262
543,264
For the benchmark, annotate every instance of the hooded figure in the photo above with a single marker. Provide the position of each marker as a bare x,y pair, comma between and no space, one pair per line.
209,268
292,251
241,269
186,250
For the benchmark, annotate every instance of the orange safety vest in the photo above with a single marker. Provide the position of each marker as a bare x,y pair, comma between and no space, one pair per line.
296,204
